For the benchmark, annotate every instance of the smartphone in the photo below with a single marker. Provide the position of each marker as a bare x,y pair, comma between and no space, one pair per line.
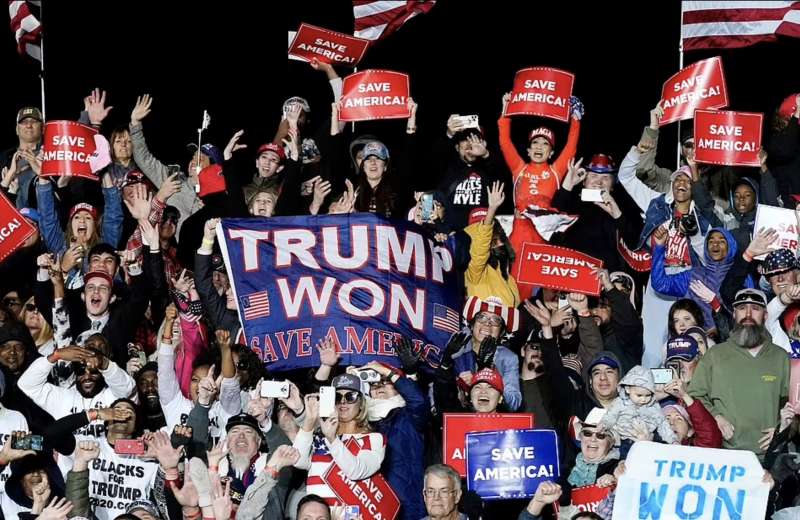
135,351
351,513
562,301
426,202
470,121
28,442
172,169
590,195
327,401
279,389
662,376
129,447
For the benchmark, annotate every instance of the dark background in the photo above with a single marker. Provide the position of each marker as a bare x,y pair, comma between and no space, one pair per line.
230,58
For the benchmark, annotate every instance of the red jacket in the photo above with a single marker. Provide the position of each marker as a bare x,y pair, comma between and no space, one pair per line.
706,431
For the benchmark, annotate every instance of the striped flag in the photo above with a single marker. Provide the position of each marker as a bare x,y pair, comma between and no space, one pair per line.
445,318
255,305
26,27
709,25
376,19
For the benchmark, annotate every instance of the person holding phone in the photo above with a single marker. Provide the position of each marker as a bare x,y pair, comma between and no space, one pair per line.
346,438
610,216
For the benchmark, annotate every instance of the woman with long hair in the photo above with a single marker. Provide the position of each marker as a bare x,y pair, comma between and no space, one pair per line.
40,330
345,439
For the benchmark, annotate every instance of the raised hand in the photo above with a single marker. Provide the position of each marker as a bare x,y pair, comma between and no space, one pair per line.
223,338
539,312
575,174
168,457
660,235
328,355
284,456
477,145
141,109
221,498
183,283
57,509
150,235
9,454
609,205
486,352
139,204
233,145
702,291
762,241
218,452
405,353
169,187
655,116
85,452
496,195
95,105
321,190
329,427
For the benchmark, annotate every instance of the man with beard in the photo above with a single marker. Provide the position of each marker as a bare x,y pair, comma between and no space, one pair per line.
147,390
247,456
98,382
744,382
536,390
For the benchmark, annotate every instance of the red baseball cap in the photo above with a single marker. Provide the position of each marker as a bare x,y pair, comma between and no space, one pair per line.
83,206
211,180
543,132
272,147
788,106
477,215
98,274
488,375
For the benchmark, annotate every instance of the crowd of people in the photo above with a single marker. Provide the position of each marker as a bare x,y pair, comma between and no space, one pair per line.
129,392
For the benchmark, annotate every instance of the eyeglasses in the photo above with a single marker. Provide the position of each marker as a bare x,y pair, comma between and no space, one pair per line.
380,384
11,301
436,493
348,397
589,433
494,322
30,307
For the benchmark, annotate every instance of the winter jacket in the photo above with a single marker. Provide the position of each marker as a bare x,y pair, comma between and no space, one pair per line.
711,274
186,200
402,464
706,431
741,224
481,279
597,233
624,415
506,362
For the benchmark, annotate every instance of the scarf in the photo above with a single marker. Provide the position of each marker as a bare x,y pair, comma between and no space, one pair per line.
585,473
378,409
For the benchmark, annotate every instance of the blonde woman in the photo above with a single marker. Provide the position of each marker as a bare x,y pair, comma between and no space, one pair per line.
40,330
345,439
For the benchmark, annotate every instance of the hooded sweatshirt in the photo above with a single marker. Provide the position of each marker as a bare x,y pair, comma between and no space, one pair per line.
624,415
711,274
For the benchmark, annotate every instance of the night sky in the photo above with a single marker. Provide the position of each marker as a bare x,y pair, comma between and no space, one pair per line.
230,58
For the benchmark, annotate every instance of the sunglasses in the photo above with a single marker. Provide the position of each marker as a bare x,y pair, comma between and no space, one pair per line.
11,301
79,368
241,365
380,384
589,433
30,307
348,397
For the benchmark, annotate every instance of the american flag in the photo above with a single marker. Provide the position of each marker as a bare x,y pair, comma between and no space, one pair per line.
445,318
709,25
255,305
376,19
26,27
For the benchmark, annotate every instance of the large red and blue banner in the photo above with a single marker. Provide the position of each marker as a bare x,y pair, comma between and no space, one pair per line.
358,279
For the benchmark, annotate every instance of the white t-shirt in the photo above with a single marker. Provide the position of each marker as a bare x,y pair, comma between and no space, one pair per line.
10,421
176,412
115,481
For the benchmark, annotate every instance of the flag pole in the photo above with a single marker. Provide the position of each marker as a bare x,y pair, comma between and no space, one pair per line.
41,60
680,67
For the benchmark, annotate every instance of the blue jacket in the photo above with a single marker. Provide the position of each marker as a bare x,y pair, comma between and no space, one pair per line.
506,363
52,231
711,274
405,446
